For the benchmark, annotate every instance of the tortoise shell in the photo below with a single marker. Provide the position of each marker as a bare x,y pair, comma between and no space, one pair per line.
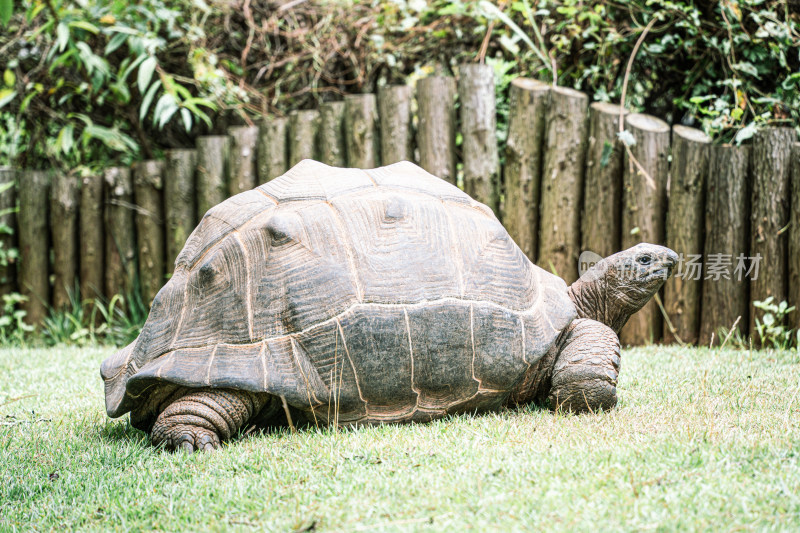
387,294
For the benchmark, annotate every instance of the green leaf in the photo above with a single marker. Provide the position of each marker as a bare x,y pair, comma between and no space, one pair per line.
165,108
6,10
146,73
115,42
9,78
186,116
62,36
148,99
6,96
84,25
605,157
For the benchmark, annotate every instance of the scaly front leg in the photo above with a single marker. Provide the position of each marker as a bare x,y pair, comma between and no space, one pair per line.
584,376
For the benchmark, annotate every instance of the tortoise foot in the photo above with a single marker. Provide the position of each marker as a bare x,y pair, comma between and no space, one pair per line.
586,369
203,418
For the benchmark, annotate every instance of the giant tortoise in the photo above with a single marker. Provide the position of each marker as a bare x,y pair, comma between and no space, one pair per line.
347,297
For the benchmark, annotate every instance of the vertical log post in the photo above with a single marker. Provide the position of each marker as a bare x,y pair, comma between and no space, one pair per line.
332,149
362,131
794,238
644,204
479,130
394,110
242,160
8,229
179,198
92,237
148,185
212,170
436,134
34,280
303,135
64,201
685,229
524,156
272,154
562,183
120,236
602,196
769,240
727,231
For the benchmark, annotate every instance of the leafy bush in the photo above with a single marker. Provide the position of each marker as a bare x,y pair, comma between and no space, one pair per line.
141,77
771,328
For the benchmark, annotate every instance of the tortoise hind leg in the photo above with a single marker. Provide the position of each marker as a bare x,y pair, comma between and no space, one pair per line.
203,418
586,368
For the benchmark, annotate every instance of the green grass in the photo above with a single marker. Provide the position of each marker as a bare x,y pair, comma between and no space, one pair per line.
701,440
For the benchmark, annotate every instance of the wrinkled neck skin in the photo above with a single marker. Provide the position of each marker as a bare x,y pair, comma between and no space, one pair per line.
593,300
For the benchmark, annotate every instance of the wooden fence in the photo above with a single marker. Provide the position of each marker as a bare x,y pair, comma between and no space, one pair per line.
568,185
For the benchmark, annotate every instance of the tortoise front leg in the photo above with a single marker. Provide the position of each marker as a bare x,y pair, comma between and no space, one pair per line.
203,418
586,368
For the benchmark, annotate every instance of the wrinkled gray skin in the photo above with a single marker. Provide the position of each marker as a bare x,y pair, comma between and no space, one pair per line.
579,372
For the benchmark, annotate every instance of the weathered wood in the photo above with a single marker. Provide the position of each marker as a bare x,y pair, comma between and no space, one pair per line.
92,237
362,132
212,171
436,132
794,238
148,184
64,201
769,240
303,136
332,147
479,129
394,110
272,158
644,209
727,231
120,252
179,201
562,183
242,159
524,157
602,195
8,229
685,229
34,268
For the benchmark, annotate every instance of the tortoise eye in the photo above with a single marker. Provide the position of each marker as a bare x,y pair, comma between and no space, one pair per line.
645,259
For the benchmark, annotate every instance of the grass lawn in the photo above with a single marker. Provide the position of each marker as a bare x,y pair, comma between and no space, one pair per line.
700,440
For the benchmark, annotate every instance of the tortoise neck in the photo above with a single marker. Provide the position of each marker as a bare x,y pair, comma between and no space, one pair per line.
592,300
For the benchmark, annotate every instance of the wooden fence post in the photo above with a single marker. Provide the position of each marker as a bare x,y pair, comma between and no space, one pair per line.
436,133
242,160
8,219
479,130
212,171
362,133
562,183
179,201
148,185
794,238
644,203
524,156
92,237
120,253
685,229
727,227
332,148
394,110
602,196
272,154
34,280
770,164
64,201
303,135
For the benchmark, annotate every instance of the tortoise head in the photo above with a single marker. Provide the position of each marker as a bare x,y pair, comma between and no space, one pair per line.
619,285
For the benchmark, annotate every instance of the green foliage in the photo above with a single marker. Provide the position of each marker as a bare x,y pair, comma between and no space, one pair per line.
88,82
771,328
12,321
